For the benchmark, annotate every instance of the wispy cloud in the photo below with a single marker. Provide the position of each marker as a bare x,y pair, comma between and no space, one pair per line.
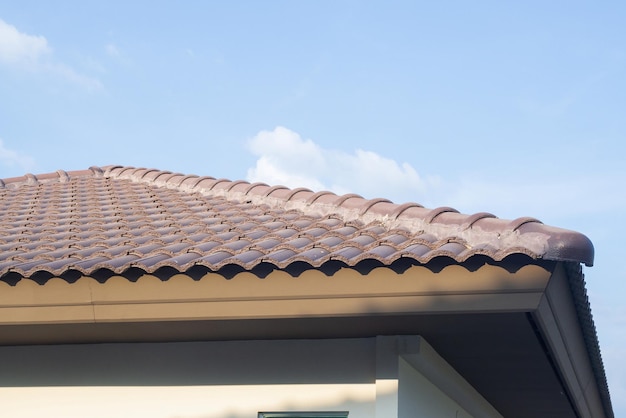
284,157
13,159
32,53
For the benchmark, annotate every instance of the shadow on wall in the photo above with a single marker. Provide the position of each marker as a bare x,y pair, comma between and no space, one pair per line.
234,379
190,363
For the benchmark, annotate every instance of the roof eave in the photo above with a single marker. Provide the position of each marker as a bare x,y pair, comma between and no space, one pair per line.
563,244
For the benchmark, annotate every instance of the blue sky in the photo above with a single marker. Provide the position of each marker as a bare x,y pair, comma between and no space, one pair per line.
514,108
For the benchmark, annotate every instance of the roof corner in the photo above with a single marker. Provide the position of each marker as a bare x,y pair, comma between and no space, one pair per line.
562,244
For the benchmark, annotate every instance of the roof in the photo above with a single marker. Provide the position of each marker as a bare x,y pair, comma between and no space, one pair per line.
115,218
126,221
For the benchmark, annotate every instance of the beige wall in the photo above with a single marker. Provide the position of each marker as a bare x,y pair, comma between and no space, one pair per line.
235,401
236,379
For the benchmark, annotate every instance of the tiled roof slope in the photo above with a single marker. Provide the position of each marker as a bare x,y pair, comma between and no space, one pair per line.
116,218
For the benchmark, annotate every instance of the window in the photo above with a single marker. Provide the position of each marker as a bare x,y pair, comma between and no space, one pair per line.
296,414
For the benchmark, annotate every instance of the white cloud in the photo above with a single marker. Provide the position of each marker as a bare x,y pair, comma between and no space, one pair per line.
10,158
20,49
32,53
284,157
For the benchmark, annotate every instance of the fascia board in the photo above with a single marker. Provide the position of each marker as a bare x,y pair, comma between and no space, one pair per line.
558,323
313,294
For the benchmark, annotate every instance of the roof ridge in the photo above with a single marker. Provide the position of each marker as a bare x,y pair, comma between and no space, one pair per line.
350,206
261,191
61,176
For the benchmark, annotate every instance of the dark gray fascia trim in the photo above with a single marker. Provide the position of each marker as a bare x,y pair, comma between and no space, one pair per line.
576,280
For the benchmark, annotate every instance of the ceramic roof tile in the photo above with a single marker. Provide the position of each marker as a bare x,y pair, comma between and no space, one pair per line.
118,218
280,255
382,251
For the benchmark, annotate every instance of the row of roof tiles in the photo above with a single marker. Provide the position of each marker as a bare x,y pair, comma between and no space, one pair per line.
118,217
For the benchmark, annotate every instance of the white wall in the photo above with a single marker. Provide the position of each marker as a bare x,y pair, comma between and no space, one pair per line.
236,401
419,397
234,379
382,377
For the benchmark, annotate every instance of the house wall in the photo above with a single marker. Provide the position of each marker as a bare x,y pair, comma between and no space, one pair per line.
234,379
419,397
228,379
219,401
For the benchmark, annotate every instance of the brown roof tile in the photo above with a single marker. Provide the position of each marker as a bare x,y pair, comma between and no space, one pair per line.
118,218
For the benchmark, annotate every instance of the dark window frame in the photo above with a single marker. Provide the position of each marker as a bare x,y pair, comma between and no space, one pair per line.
304,414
